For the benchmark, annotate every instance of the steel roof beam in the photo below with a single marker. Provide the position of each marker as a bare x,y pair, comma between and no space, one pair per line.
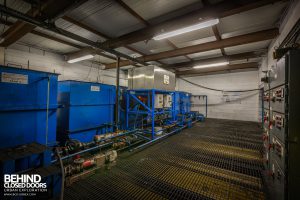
228,42
219,10
53,28
51,9
229,58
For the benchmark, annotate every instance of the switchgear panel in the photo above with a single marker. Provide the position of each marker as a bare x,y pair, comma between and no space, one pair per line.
281,132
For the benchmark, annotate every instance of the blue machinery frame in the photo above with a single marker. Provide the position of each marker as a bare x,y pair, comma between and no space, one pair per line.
205,97
149,109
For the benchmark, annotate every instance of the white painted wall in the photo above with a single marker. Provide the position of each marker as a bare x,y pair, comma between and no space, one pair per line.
245,108
248,108
21,56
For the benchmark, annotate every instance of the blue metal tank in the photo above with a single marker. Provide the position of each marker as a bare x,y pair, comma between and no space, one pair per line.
86,109
28,103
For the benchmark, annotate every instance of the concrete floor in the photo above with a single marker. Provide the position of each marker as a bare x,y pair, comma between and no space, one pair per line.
216,159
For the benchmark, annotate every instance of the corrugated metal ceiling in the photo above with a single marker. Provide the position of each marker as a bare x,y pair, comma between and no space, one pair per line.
206,54
78,30
152,46
174,60
265,16
18,5
248,47
193,38
108,17
150,9
46,44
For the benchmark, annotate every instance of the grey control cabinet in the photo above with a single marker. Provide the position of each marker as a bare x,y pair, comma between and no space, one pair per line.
283,126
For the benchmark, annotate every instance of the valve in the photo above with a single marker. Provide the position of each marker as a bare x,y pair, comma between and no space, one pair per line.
271,146
273,99
278,175
265,136
271,124
266,97
266,118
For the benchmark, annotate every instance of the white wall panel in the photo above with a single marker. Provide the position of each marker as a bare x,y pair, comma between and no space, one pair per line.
246,107
30,58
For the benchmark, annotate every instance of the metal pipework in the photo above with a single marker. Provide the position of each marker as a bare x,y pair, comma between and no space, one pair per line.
84,151
95,147
117,91
51,27
159,138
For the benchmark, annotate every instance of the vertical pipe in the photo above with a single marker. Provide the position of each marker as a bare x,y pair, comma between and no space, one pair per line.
47,109
262,106
152,114
173,106
117,92
62,174
127,110
206,106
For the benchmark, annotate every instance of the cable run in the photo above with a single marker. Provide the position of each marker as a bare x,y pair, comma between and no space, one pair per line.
213,89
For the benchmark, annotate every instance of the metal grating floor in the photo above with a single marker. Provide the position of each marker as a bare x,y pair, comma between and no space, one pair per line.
217,159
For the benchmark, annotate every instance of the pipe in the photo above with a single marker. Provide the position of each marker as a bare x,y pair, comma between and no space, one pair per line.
144,137
95,147
51,27
86,150
62,174
89,129
159,138
47,110
117,91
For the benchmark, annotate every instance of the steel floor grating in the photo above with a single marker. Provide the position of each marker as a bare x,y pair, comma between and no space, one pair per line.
217,159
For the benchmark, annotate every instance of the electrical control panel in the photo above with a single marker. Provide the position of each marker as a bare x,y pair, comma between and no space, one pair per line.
168,101
281,126
277,179
277,150
277,99
159,101
277,125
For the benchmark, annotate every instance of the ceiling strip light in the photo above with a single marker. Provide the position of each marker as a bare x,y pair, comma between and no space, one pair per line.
198,26
211,65
81,58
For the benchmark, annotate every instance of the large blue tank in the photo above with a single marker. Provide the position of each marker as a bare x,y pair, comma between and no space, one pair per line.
86,109
28,103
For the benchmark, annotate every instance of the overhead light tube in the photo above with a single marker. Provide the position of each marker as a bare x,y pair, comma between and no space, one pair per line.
211,65
198,26
89,56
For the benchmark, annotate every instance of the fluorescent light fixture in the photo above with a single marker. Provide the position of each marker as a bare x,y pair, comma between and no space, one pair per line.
211,65
89,56
200,25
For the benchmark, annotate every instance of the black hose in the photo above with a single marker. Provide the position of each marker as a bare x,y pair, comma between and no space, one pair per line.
219,90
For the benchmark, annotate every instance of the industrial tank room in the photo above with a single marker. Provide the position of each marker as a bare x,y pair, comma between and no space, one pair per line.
150,99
